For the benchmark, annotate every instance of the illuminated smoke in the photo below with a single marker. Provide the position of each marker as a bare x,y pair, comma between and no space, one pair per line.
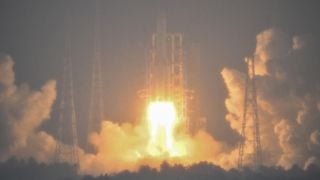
288,108
126,147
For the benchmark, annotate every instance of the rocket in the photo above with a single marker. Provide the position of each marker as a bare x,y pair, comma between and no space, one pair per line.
161,61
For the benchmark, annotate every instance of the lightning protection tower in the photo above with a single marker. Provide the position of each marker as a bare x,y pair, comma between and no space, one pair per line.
96,106
66,147
250,146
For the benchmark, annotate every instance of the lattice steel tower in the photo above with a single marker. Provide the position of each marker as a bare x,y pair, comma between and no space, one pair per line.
165,77
250,146
66,147
96,109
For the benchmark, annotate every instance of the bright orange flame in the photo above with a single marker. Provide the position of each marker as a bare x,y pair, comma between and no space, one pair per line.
162,118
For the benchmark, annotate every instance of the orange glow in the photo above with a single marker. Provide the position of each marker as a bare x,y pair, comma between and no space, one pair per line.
161,117
162,120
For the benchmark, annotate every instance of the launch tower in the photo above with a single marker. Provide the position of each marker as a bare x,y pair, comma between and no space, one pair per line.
67,143
165,70
96,106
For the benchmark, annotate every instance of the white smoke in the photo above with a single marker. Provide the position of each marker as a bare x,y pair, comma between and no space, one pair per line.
289,110
22,111
289,114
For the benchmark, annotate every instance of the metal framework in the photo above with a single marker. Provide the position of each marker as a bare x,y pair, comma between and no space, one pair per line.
250,149
66,147
165,77
96,109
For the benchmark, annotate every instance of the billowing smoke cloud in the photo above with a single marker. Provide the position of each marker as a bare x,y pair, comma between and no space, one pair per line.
118,147
271,44
125,147
289,111
287,98
22,111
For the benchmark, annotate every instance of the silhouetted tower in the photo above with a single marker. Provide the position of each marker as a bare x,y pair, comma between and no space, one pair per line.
96,109
66,147
250,146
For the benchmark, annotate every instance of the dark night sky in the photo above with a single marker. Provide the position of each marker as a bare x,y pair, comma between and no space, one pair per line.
32,32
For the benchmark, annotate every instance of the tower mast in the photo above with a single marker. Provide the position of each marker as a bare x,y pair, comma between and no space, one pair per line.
250,148
96,106
66,147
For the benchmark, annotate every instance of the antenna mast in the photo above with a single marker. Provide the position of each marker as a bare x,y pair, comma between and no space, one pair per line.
250,149
96,109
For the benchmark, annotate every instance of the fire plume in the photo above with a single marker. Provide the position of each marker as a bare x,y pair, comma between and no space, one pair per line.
162,120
